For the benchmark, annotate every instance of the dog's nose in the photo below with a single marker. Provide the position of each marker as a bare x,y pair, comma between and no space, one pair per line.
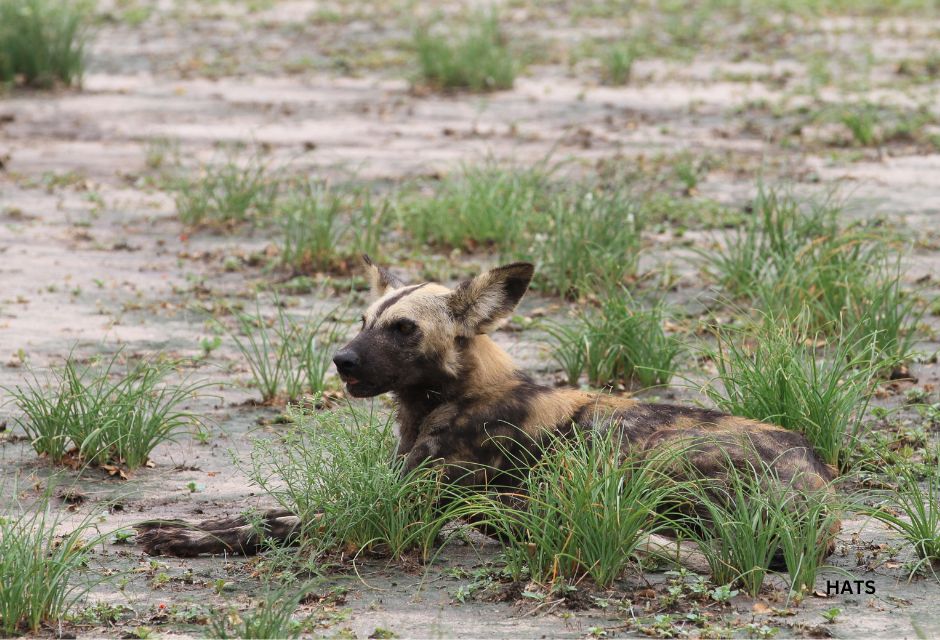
346,361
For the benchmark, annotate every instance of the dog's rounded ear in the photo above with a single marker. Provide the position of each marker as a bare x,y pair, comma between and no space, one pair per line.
380,278
480,304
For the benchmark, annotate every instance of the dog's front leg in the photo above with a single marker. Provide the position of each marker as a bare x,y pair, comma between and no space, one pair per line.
469,482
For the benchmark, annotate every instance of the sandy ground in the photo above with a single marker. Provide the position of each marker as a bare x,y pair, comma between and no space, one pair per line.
93,258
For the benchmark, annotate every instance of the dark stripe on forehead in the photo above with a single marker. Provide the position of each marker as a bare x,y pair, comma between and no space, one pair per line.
395,298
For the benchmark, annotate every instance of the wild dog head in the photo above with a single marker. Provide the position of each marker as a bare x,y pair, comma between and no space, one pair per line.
412,336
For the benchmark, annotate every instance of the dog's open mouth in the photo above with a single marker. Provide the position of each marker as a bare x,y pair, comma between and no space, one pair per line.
356,387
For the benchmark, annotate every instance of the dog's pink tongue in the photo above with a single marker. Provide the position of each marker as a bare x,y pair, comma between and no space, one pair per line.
351,380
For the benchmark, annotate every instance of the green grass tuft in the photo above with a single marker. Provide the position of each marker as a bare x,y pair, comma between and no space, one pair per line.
107,416
337,471
750,519
40,566
590,242
775,373
287,355
272,617
582,510
808,523
312,228
861,121
480,207
912,510
794,259
870,124
42,42
620,342
227,193
884,309
324,228
478,59
583,236
618,64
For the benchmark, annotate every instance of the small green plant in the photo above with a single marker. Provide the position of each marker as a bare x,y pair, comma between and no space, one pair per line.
208,345
591,241
107,416
477,60
368,223
40,565
861,121
312,229
913,511
662,625
122,537
287,354
773,372
272,617
831,614
483,578
776,238
582,509
793,258
818,72
479,207
337,471
884,310
808,523
42,42
618,342
748,519
916,395
869,124
757,630
463,592
270,350
226,193
688,170
724,593
618,63
100,613
323,226
160,153
325,336
584,237
568,348
661,209
740,536
160,580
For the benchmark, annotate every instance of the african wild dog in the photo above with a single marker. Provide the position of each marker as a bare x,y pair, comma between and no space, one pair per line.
461,399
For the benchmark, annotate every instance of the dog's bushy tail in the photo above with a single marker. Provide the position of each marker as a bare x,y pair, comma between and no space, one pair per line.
245,535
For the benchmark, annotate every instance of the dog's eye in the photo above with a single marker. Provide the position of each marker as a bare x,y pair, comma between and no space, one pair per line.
404,327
